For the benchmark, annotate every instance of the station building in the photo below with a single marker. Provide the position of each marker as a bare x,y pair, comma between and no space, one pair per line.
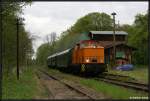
123,51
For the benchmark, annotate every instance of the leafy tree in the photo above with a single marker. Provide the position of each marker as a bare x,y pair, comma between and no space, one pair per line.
11,11
42,54
138,37
92,21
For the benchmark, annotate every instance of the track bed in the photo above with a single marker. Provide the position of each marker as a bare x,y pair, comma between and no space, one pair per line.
58,89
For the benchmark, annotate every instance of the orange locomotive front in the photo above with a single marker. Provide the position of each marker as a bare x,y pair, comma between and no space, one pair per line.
89,56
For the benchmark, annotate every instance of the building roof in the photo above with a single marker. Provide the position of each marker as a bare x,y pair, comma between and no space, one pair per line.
109,44
109,32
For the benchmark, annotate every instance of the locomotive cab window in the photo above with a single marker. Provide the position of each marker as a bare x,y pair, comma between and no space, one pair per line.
77,46
89,44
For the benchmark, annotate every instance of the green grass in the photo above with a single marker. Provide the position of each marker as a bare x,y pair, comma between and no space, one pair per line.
25,88
140,73
113,91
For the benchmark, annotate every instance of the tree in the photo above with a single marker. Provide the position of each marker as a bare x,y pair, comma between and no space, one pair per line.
42,53
138,37
92,21
11,11
46,49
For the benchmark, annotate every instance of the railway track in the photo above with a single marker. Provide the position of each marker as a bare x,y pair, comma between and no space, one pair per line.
124,81
68,92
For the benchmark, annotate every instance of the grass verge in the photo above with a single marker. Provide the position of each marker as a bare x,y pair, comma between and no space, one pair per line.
139,73
24,88
116,92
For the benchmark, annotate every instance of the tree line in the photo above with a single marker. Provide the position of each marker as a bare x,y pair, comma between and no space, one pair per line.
137,35
10,13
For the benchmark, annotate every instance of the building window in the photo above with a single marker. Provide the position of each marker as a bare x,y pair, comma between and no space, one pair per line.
120,54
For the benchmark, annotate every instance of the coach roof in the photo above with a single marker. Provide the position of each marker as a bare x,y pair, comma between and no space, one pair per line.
59,53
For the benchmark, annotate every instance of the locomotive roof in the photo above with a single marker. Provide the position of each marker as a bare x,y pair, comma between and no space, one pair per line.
109,32
59,53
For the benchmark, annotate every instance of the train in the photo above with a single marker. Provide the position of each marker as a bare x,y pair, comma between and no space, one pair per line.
85,57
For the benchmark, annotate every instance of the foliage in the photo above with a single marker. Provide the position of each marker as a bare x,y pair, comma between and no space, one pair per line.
25,88
138,37
11,11
42,53
92,21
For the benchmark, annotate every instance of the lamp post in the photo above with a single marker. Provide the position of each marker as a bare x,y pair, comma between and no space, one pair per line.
17,24
114,39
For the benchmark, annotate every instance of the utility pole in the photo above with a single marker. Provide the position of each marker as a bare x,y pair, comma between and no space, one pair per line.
17,48
1,42
17,24
114,39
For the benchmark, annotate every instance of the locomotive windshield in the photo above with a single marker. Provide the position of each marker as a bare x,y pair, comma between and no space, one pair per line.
89,44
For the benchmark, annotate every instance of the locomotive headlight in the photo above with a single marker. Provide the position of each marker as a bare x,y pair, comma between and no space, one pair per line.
87,60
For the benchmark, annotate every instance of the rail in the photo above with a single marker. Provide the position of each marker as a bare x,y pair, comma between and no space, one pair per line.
126,81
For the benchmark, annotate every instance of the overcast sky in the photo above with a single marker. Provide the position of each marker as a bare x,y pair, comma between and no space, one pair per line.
42,18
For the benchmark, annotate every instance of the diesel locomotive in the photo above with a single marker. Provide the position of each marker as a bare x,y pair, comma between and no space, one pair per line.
85,57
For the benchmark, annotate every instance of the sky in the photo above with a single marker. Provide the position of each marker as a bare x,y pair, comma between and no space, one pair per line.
43,18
